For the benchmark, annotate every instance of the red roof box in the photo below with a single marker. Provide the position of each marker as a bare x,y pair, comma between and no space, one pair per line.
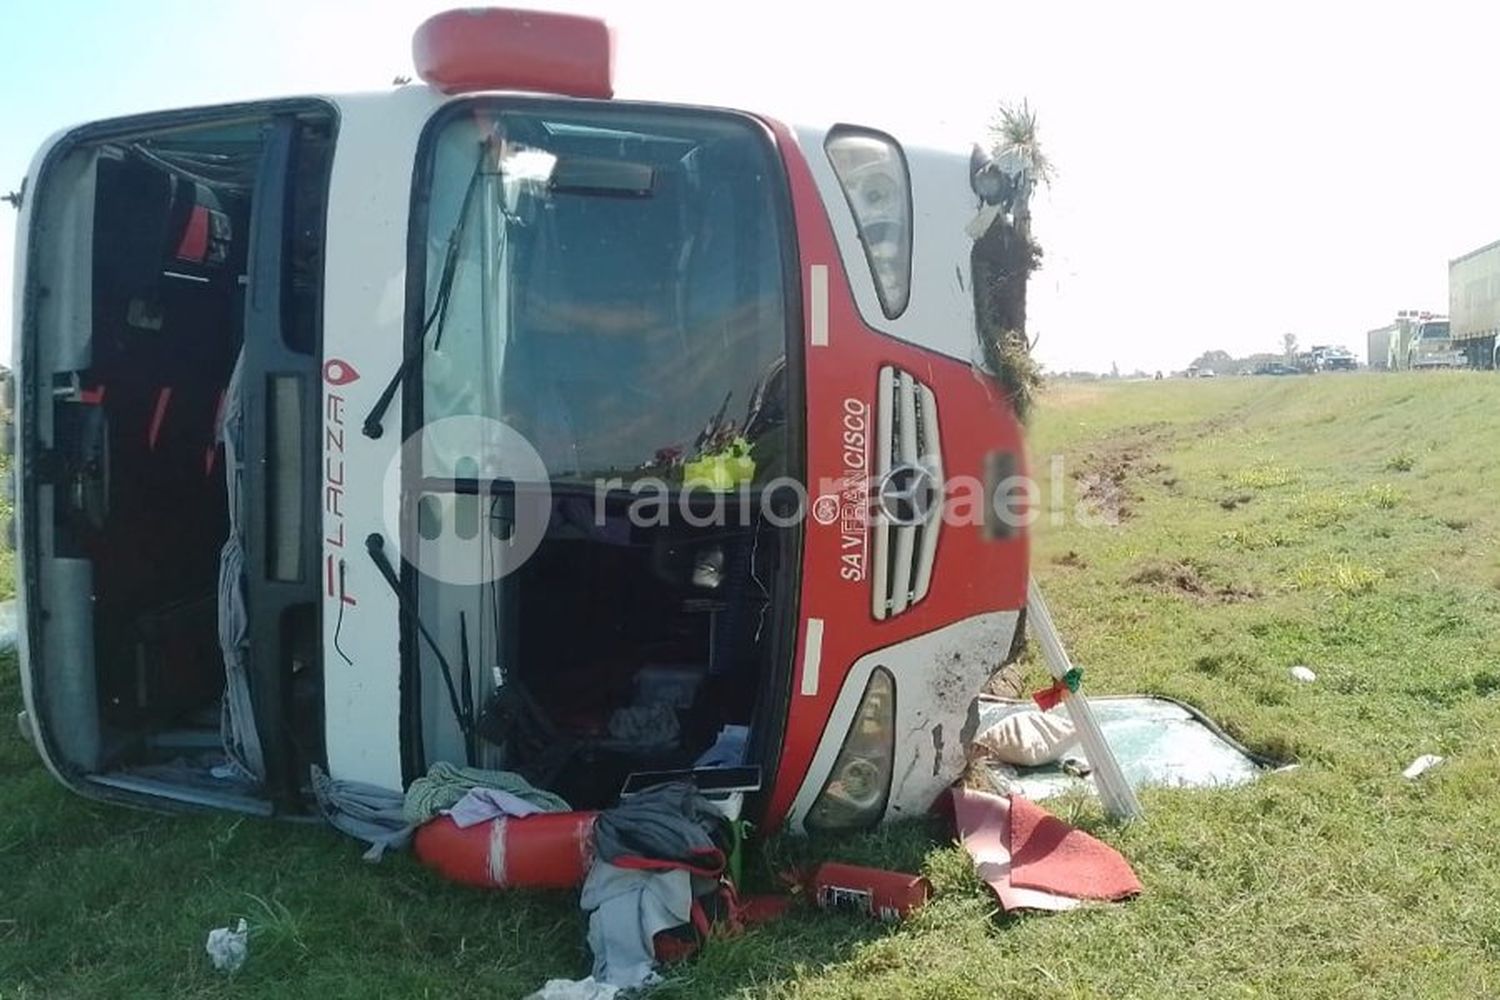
497,48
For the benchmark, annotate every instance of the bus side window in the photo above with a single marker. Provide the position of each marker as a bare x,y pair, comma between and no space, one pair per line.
302,304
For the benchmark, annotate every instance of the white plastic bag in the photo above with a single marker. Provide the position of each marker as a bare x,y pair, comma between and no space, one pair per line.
1421,766
575,989
228,948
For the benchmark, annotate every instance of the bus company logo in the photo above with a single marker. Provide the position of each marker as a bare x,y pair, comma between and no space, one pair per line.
854,489
907,495
826,509
337,371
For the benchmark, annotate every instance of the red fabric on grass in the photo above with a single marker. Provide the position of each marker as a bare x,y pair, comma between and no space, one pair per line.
763,909
1048,854
983,824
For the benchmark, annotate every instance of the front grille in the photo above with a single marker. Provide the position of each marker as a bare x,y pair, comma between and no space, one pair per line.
908,491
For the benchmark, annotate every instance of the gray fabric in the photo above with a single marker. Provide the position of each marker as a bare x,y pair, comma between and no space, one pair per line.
670,822
626,909
645,725
363,811
237,719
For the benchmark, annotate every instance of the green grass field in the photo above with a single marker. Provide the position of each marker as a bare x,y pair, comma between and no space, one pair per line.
1344,523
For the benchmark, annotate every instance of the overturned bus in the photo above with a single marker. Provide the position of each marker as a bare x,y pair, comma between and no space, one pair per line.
494,420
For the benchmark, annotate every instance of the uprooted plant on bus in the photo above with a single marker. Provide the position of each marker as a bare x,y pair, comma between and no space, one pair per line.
1005,254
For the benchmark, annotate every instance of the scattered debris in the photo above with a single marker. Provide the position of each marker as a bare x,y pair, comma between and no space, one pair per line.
227,948
541,851
660,862
575,989
875,892
1421,766
363,811
1158,742
445,784
1027,738
1303,674
1048,855
1076,767
1032,859
7,625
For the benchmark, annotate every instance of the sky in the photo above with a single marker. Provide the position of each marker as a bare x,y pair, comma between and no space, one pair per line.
1226,173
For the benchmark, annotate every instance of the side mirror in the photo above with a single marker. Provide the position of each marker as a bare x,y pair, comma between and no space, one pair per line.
1003,180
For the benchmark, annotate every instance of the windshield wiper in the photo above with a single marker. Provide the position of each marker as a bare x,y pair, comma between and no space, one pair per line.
463,710
373,427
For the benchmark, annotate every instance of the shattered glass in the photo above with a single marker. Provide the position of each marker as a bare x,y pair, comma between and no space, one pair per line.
1158,742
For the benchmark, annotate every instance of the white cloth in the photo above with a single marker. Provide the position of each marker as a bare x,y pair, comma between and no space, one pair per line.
575,989
1028,738
227,948
480,804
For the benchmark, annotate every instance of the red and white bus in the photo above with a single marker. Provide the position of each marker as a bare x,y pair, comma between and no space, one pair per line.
475,420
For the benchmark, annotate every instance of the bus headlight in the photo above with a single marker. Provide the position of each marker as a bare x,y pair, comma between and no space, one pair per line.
859,785
873,174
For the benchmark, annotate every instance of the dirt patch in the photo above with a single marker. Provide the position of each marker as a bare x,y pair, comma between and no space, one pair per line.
1071,559
1104,482
1190,578
1102,490
1007,682
1183,576
1235,500
1106,473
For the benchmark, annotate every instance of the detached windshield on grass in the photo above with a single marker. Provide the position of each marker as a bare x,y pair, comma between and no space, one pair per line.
616,293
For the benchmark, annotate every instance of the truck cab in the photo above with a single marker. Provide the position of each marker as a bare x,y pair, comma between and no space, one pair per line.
1432,346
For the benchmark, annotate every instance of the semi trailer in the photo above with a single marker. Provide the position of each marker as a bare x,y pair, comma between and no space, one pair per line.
1474,305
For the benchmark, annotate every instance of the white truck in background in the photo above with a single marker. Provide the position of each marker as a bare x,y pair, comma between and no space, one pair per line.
1474,305
1416,341
1432,346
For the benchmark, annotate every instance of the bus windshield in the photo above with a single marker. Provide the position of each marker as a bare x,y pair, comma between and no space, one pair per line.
610,283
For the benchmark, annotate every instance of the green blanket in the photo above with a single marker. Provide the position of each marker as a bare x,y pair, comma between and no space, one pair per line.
446,783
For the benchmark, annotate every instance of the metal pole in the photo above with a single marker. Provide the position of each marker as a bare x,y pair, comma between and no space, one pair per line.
1114,790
